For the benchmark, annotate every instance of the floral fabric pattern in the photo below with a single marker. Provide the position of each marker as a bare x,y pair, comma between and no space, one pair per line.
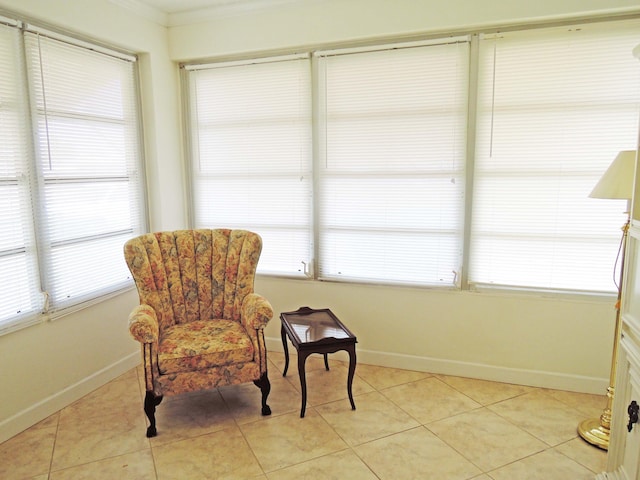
173,384
199,321
143,324
203,344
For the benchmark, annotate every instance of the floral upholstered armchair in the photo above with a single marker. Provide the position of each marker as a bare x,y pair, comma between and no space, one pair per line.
199,322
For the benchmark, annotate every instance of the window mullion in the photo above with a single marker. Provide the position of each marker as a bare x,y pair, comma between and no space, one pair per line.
463,281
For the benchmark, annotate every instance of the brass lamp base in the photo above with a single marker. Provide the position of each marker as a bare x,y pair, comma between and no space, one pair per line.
594,433
597,431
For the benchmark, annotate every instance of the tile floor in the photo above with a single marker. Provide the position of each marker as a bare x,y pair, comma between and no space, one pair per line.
408,425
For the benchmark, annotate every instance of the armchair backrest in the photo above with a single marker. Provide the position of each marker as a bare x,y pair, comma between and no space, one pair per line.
189,275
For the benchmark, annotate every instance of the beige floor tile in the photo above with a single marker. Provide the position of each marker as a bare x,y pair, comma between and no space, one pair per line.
27,454
483,391
543,416
415,454
547,465
375,417
591,406
131,373
220,455
286,440
594,458
328,386
115,396
82,440
188,416
337,466
384,377
245,401
51,421
486,439
133,466
103,433
429,400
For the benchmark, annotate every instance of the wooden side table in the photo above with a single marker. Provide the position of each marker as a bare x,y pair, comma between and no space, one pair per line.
316,331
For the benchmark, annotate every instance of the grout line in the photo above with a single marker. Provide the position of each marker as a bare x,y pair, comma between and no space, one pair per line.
352,448
55,441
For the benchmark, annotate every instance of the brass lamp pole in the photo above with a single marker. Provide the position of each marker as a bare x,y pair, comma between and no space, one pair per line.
598,430
616,183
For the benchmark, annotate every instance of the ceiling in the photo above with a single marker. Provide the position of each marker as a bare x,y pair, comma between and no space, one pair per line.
181,12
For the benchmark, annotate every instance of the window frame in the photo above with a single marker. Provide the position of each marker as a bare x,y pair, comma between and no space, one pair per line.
445,174
463,282
135,181
562,39
286,172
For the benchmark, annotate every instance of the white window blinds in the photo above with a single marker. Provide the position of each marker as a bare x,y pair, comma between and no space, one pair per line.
71,182
20,286
555,107
392,163
251,155
88,163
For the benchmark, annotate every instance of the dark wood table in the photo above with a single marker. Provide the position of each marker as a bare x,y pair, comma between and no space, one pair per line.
316,331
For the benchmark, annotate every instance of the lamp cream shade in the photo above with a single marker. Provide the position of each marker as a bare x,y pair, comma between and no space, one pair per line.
617,181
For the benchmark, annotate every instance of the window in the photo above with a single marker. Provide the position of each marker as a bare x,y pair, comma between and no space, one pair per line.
458,162
555,107
391,169
20,293
251,143
70,158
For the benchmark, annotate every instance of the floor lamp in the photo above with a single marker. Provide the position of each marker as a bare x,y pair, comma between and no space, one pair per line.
616,183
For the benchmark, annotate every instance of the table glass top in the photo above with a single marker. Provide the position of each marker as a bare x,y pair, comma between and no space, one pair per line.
315,326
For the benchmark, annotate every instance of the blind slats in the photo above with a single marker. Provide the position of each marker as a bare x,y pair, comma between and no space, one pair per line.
20,292
555,106
251,167
392,164
88,161
76,188
390,170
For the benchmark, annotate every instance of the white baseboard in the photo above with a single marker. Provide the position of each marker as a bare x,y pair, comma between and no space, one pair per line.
50,405
534,378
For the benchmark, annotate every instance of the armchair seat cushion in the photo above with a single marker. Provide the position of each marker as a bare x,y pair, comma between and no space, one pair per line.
203,344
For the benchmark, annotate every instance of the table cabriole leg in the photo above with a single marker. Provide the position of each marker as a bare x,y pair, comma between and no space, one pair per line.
302,358
352,370
285,347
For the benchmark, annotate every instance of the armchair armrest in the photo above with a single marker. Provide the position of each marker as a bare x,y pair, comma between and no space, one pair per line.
143,324
256,311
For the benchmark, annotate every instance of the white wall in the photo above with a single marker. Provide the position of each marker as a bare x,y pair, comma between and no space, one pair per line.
549,342
546,341
46,366
321,22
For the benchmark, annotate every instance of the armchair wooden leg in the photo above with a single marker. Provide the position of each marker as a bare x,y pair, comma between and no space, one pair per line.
151,401
265,387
